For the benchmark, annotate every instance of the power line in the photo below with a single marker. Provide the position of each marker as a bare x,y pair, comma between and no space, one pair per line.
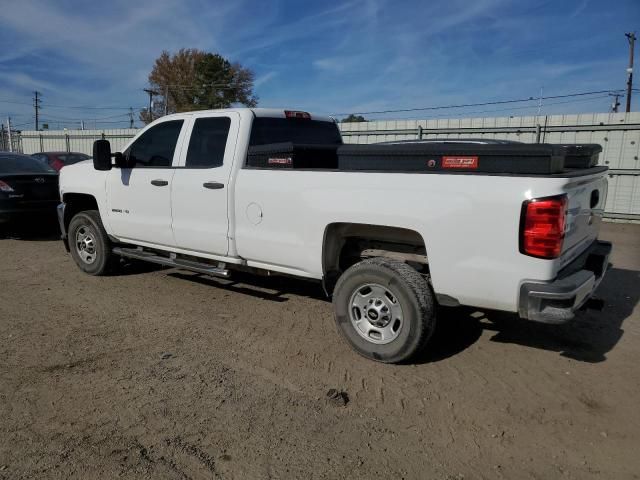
118,115
21,124
70,106
442,107
483,104
112,122
12,101
90,108
515,108
199,87
66,122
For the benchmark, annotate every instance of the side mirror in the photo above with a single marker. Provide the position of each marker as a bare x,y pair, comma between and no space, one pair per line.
120,160
102,155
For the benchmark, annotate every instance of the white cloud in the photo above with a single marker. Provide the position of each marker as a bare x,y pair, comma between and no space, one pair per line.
262,79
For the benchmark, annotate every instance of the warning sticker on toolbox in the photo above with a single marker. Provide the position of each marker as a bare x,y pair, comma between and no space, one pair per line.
459,162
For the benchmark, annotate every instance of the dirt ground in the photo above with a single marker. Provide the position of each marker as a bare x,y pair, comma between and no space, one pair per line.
160,374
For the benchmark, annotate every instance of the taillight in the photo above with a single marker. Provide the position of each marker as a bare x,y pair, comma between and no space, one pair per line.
296,114
542,226
5,187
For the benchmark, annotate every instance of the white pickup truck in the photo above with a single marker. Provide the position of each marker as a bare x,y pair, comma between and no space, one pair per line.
392,231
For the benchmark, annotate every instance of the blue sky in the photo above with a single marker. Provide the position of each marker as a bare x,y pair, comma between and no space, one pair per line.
323,56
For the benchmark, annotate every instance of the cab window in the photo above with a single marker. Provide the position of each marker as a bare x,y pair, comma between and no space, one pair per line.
155,147
208,142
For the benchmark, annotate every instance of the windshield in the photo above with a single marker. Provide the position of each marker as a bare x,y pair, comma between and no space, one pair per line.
15,163
280,130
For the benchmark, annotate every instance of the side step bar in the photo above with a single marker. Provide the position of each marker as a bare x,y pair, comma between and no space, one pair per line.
172,261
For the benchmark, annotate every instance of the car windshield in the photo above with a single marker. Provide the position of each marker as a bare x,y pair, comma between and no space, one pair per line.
14,163
71,158
281,130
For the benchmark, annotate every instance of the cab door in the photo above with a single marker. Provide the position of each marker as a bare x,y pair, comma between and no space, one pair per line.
200,193
139,197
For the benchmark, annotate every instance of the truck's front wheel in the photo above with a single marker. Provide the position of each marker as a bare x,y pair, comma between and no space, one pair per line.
89,244
385,309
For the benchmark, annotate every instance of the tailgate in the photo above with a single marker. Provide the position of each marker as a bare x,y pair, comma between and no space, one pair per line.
586,198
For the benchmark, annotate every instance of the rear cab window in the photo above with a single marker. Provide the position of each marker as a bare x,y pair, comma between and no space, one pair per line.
265,130
297,142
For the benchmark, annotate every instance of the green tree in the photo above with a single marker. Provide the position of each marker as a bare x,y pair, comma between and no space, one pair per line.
191,79
353,118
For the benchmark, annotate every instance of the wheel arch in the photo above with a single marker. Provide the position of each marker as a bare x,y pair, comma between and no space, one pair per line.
75,203
346,243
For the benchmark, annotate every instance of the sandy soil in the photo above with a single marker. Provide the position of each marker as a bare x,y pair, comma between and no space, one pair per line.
160,374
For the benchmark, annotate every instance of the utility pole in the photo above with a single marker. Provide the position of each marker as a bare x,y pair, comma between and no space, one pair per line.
36,105
9,133
616,102
166,100
631,37
540,102
130,117
151,94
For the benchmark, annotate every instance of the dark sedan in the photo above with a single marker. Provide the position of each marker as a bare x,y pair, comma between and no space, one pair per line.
28,189
57,160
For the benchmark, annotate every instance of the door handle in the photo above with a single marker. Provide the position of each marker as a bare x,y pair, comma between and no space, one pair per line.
213,185
159,183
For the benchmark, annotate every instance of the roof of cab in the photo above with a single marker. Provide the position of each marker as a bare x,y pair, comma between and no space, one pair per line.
258,112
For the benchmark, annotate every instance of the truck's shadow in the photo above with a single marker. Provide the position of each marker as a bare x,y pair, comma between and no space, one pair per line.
587,338
274,288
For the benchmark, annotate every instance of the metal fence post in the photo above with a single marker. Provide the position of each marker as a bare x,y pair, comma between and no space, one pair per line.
66,141
41,142
9,133
419,132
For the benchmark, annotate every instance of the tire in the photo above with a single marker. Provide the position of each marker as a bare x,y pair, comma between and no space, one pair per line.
385,309
89,244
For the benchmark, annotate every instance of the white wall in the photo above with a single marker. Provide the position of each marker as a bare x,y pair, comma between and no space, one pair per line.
73,140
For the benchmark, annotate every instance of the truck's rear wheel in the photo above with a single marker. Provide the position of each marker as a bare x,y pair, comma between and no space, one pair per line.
385,309
89,244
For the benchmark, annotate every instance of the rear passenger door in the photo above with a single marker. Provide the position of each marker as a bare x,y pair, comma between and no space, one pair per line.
200,192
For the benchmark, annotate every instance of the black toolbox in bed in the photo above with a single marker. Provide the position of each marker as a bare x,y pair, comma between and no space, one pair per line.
516,158
538,159
581,155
